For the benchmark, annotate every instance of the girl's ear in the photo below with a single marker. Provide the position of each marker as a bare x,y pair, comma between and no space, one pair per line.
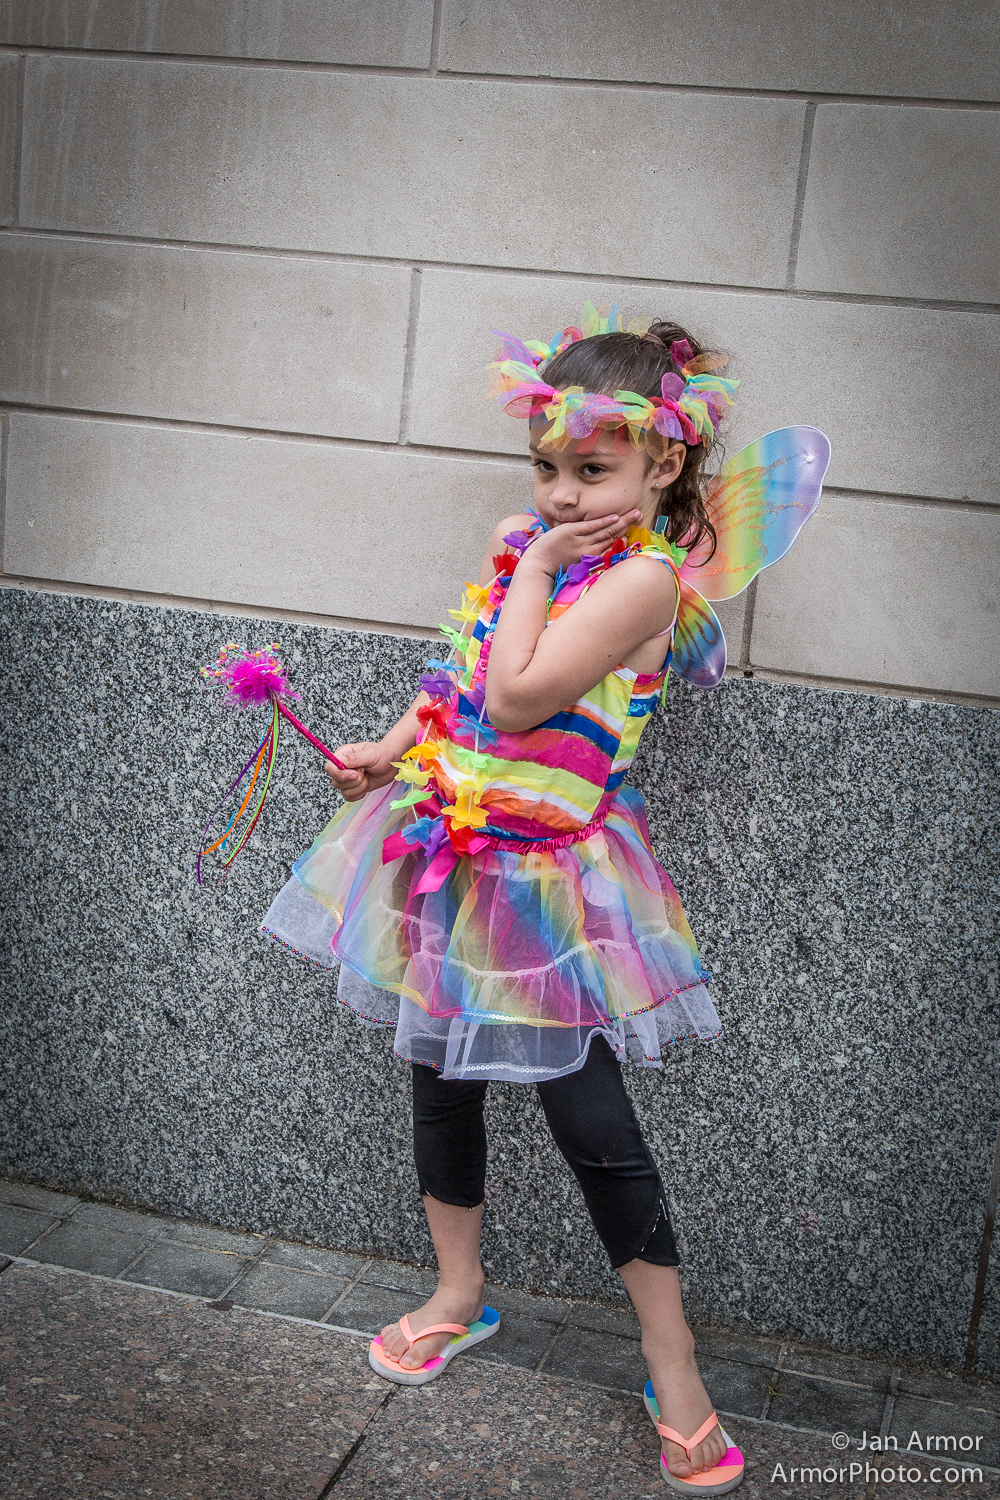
667,471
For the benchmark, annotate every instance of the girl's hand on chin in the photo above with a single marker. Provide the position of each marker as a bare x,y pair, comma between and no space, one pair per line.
566,543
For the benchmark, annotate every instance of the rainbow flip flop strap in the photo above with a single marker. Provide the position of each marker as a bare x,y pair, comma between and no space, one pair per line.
727,1471
489,1318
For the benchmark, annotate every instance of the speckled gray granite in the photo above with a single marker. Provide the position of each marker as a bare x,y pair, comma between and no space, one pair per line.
828,1159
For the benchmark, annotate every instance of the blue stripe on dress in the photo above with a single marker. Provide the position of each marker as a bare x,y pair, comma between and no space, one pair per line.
586,729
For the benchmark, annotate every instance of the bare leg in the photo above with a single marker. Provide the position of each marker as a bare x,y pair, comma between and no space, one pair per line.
668,1347
459,1296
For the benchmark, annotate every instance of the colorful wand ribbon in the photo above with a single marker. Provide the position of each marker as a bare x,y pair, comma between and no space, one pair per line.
252,679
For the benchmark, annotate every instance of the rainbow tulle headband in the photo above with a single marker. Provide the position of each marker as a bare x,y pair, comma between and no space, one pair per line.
690,407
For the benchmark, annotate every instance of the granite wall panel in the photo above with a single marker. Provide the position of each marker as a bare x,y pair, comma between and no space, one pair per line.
988,1343
925,49
916,214
837,365
827,1159
249,520
380,33
9,75
286,157
921,608
210,336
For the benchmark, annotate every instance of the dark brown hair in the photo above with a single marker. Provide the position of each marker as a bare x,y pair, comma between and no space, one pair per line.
611,362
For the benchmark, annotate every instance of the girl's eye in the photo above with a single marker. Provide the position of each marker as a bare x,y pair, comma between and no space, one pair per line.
593,469
540,463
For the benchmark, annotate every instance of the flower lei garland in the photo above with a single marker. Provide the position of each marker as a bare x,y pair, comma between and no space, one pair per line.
457,690
689,408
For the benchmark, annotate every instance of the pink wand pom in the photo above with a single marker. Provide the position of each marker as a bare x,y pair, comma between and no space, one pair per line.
256,678
253,679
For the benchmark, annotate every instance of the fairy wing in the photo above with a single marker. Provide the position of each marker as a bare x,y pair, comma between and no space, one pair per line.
758,503
699,654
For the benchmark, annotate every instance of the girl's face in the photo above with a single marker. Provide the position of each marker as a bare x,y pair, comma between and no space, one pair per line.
574,486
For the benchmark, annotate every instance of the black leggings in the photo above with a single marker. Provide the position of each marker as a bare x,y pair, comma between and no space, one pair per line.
593,1124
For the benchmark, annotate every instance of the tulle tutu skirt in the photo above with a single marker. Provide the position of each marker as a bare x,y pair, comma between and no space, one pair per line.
517,960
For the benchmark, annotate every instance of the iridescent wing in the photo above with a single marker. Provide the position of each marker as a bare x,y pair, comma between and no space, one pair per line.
758,503
699,644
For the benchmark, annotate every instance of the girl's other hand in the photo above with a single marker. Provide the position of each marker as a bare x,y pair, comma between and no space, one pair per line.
369,766
566,543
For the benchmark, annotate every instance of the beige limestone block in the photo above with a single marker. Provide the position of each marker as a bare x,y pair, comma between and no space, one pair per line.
251,340
906,394
279,523
8,135
924,49
886,592
380,33
588,179
916,213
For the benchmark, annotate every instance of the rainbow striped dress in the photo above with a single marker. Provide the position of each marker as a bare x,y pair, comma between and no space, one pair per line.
500,904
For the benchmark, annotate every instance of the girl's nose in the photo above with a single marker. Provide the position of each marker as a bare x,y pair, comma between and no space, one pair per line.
563,494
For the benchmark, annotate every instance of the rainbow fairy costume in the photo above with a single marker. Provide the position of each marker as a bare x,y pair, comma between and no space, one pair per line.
500,904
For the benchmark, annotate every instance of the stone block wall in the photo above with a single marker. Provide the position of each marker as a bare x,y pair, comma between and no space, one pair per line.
250,258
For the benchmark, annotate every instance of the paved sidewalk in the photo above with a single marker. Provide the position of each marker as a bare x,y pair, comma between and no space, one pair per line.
147,1356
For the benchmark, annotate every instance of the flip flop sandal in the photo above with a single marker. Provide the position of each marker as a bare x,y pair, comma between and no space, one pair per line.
727,1473
463,1338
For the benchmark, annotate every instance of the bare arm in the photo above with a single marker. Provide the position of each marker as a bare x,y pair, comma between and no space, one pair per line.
535,670
370,762
532,681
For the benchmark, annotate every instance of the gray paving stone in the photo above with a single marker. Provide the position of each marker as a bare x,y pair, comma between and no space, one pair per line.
370,1308
401,1278
598,1358
103,1216
543,1309
933,1419
309,1258
733,1386
302,1294
744,1351
871,1373
520,1341
621,1320
19,1226
803,1401
89,1247
211,1238
186,1268
949,1388
25,1195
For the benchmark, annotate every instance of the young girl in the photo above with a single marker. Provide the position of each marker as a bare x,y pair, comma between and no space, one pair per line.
489,887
